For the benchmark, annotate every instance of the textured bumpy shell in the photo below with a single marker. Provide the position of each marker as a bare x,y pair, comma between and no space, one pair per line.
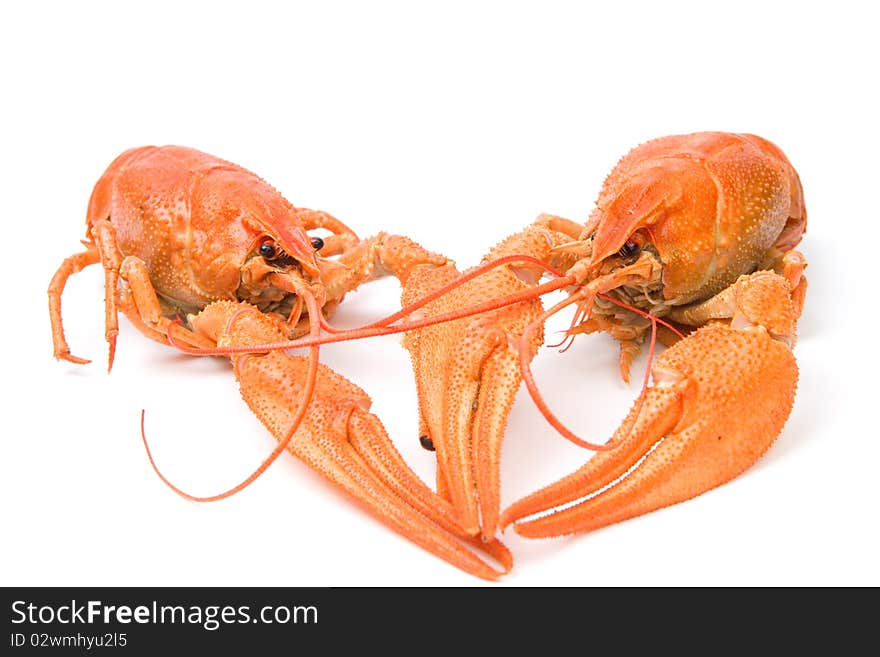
193,218
711,203
467,373
340,439
724,398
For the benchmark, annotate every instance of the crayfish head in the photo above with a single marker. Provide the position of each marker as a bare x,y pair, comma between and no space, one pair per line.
275,281
711,204
633,273
619,290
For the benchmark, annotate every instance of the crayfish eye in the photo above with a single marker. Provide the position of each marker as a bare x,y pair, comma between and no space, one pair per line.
317,243
628,249
268,250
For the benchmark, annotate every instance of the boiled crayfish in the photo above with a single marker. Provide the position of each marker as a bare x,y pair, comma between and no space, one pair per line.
690,232
180,233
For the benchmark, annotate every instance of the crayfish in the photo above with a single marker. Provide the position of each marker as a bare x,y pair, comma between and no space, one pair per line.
180,233
692,240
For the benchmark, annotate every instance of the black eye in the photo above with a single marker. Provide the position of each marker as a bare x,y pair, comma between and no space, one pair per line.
629,249
317,243
267,250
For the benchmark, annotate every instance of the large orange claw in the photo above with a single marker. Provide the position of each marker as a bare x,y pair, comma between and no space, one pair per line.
719,399
340,439
467,371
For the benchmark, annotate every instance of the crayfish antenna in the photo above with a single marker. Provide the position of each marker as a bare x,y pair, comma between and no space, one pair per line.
582,297
375,329
462,279
306,399
410,310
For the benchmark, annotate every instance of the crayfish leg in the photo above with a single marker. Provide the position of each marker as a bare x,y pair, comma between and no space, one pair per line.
104,235
71,265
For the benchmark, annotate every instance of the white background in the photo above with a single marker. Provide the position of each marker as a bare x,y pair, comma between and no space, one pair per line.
455,125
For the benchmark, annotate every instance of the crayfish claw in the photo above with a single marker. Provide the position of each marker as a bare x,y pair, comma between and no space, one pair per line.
720,398
338,438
